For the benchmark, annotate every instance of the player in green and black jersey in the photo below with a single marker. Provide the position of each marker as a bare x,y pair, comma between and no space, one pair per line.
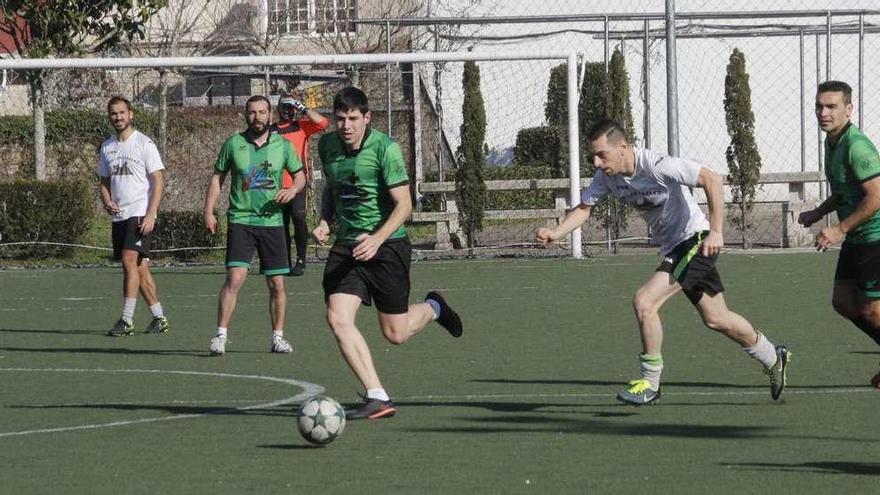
852,167
256,160
367,193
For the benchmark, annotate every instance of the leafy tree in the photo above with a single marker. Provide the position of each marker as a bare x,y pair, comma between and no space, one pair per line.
606,95
743,159
556,108
67,28
470,189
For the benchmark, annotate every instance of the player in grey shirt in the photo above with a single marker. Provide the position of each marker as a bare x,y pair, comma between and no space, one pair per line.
659,187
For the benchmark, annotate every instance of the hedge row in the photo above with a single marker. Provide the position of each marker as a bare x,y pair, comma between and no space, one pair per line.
33,211
61,213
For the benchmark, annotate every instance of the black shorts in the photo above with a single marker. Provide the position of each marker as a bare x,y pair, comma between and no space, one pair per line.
860,263
269,242
126,234
696,273
383,279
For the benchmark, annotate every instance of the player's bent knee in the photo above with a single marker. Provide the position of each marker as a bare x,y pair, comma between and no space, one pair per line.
845,308
719,324
395,336
871,313
644,306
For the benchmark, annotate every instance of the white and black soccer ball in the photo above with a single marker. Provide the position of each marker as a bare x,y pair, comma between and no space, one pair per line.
320,420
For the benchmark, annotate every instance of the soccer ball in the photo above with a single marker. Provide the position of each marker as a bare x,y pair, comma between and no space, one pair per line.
320,420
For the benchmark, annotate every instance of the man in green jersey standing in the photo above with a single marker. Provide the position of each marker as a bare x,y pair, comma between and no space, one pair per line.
852,167
256,160
367,191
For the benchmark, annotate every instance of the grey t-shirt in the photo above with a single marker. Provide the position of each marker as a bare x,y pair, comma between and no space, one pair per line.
660,190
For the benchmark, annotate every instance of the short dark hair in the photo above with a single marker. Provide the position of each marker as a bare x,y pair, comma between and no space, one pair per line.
837,87
256,98
118,99
606,127
351,98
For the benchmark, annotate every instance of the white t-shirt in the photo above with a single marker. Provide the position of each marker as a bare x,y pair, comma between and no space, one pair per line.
128,164
660,190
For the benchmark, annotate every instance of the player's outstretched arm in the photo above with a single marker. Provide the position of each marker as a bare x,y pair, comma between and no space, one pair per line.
573,219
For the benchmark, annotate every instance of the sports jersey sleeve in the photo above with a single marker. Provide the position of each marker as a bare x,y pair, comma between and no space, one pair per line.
394,167
223,159
310,127
152,160
291,161
596,190
679,170
865,161
103,165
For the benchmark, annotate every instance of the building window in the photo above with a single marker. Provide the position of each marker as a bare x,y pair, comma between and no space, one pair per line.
303,17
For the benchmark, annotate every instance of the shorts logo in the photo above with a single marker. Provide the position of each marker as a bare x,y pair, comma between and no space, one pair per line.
138,244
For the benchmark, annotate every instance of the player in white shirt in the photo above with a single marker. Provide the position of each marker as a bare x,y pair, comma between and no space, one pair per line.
131,189
659,187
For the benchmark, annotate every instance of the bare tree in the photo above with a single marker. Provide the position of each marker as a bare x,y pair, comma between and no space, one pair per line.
189,28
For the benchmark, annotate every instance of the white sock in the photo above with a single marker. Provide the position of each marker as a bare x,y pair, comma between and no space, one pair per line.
128,306
651,366
763,350
378,393
277,334
435,306
156,309
221,332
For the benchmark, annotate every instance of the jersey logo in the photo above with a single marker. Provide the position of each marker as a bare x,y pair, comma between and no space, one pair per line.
348,190
642,200
258,177
120,167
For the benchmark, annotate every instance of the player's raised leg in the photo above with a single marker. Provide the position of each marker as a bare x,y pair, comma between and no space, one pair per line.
775,358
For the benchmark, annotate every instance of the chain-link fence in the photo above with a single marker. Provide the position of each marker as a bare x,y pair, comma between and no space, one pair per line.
420,105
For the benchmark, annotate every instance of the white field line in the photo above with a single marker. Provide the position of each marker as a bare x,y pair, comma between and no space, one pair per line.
308,390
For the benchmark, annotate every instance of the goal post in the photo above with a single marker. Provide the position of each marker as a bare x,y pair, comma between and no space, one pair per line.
570,59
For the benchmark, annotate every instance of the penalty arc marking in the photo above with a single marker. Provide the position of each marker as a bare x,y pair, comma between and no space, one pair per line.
308,390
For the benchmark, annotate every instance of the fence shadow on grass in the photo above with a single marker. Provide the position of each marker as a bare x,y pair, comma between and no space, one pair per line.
55,332
683,384
171,409
826,467
110,350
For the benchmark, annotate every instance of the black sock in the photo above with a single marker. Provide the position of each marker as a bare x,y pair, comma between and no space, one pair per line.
870,330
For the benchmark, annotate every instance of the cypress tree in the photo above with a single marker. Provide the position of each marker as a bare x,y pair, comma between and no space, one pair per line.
743,159
470,189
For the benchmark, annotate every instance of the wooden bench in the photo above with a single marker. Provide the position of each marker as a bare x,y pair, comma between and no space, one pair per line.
449,234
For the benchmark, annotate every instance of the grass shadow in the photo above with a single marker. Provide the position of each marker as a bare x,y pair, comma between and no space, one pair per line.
825,467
